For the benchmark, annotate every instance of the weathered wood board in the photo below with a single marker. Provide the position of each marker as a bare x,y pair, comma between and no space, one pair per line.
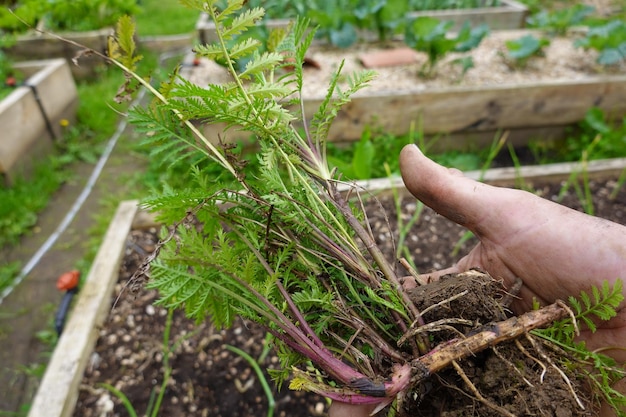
58,391
31,115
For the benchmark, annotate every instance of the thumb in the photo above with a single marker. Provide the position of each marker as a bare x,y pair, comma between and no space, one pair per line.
447,191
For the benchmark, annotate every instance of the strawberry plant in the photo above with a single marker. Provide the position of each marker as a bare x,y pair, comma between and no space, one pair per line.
609,40
519,51
430,35
559,21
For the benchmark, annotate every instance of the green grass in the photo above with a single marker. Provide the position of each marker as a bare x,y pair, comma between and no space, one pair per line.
165,17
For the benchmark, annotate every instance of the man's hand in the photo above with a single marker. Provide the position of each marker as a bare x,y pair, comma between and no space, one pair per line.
554,250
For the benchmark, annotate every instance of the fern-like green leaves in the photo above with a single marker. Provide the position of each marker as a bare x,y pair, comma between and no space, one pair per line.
601,303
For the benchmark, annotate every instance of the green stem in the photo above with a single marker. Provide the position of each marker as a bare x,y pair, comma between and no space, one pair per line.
262,379
166,361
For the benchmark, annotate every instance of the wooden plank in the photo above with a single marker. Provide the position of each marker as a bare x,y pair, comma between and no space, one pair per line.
26,137
510,176
58,392
57,91
509,15
35,45
475,109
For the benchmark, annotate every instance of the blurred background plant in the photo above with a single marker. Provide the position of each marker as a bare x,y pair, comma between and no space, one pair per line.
76,15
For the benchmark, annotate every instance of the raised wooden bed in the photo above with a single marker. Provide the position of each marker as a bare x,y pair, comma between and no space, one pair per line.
30,117
461,117
58,391
43,46
509,15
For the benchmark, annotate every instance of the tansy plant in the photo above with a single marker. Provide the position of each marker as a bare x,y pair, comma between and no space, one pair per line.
281,245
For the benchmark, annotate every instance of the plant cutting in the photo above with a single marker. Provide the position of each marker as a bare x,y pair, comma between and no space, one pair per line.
282,246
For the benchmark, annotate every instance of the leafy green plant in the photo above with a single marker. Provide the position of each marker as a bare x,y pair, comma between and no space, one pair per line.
600,304
340,21
609,40
430,35
9,77
560,20
520,51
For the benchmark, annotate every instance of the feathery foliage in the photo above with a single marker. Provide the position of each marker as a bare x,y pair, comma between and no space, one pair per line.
278,244
601,370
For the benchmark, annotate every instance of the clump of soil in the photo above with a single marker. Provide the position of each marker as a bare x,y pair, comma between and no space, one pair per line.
210,380
513,378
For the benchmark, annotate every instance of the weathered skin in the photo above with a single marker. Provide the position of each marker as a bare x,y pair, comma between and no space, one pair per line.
556,251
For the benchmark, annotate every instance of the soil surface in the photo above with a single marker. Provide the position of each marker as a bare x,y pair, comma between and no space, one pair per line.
210,380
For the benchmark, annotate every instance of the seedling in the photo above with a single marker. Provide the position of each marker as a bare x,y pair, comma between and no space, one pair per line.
557,22
520,51
609,40
430,35
341,21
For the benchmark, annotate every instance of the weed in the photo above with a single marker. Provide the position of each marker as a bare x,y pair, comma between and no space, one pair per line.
154,404
602,370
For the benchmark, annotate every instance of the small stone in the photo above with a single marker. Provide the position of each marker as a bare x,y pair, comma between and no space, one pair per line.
105,404
319,409
150,310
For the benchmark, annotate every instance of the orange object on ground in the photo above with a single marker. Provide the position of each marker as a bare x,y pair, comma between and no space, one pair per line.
68,281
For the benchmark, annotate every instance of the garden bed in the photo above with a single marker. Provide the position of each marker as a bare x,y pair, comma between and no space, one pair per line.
463,111
208,378
33,115
510,14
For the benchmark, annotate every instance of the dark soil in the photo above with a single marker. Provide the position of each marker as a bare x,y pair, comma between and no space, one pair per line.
209,380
